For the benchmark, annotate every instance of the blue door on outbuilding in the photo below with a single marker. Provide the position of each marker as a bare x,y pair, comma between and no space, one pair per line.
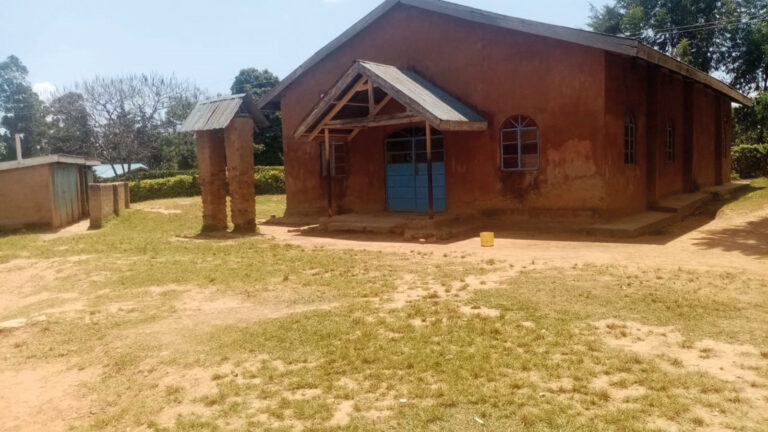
406,171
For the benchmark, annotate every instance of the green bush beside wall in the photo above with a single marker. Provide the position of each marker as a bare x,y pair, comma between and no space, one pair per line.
750,160
266,180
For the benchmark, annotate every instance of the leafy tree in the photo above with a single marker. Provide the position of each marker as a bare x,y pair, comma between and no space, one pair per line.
671,26
69,129
255,82
268,142
744,51
683,51
22,111
607,19
750,123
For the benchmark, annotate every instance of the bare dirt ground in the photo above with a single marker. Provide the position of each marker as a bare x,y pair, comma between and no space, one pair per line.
51,395
732,241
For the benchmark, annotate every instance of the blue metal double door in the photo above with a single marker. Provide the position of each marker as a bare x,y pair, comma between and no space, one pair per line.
407,177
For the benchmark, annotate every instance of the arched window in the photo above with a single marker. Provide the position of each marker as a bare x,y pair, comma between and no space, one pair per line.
519,144
630,140
669,149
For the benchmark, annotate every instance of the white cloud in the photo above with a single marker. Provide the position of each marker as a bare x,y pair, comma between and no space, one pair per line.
44,89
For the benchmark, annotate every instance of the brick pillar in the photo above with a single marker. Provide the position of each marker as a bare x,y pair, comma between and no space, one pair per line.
95,205
238,139
127,192
212,164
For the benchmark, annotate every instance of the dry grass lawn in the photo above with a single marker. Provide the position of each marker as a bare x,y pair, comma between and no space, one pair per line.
147,326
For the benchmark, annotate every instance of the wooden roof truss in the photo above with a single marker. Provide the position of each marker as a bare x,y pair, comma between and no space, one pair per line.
359,98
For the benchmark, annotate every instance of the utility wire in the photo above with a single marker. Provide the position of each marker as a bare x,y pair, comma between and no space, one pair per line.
704,26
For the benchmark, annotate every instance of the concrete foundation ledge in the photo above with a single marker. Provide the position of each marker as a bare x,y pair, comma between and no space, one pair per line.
634,225
726,190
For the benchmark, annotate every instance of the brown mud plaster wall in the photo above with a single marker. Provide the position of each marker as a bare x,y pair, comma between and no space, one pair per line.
670,173
106,200
499,73
578,96
26,197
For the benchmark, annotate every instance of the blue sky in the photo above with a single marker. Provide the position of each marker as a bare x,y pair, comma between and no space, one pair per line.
208,42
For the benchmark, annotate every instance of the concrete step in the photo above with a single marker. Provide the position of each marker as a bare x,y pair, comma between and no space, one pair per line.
363,225
634,225
683,204
726,190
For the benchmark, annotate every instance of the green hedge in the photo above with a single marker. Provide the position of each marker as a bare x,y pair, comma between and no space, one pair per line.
152,175
750,160
173,187
267,181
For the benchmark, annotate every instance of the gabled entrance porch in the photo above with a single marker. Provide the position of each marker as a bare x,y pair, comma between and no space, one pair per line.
372,95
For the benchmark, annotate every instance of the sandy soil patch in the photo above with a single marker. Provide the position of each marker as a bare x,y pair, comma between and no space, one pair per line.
727,242
160,210
44,397
343,414
206,307
72,230
733,363
482,311
411,289
26,281
741,365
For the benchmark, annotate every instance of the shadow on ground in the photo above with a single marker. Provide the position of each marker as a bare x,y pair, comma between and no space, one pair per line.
750,239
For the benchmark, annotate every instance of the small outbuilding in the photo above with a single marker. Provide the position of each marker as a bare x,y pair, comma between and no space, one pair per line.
44,192
224,131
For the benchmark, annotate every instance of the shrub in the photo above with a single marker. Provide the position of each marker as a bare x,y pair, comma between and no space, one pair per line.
750,160
173,187
266,180
152,175
269,180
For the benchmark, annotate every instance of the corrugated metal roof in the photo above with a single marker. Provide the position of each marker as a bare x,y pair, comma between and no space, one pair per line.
422,97
217,113
611,43
50,159
422,92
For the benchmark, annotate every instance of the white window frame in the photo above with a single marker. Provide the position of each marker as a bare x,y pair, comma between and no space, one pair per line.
520,121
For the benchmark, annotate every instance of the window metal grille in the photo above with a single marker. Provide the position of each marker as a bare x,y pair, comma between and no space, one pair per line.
630,140
520,144
669,149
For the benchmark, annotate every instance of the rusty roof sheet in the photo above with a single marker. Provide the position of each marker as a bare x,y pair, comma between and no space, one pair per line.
421,92
217,113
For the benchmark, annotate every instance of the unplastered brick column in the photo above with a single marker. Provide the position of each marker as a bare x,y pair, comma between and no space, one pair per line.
212,164
238,139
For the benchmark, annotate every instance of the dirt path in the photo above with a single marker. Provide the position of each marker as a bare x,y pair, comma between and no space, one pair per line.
736,241
43,397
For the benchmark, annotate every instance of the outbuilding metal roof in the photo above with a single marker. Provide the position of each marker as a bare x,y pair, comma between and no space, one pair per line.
217,113
49,159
